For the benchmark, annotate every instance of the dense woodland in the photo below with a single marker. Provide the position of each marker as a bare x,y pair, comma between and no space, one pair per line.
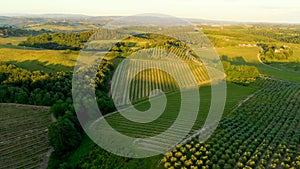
76,40
58,41
11,31
71,40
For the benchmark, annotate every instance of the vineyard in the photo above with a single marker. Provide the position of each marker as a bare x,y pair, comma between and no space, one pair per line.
263,133
142,73
169,115
142,130
24,136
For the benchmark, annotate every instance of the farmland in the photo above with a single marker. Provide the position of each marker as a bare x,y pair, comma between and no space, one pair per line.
35,59
151,129
24,139
127,127
249,56
264,136
260,131
259,128
146,81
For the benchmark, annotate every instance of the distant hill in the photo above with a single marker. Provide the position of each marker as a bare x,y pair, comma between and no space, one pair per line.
22,20
78,22
26,19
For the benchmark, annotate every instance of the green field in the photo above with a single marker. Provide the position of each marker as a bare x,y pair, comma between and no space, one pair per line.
35,59
249,57
44,60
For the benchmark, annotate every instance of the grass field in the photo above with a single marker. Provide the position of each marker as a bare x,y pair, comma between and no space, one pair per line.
44,60
24,136
35,59
12,40
249,55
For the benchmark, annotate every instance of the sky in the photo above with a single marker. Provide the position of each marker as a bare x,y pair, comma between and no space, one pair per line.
285,11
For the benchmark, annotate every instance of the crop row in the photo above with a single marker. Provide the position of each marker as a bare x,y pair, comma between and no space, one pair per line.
264,133
23,137
131,84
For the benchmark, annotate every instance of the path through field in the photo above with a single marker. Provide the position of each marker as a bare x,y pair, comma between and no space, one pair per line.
259,59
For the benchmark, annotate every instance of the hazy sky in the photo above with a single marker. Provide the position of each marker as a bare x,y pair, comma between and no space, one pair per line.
233,10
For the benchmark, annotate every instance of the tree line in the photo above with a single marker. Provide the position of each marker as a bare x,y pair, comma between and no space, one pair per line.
58,41
11,31
70,40
240,74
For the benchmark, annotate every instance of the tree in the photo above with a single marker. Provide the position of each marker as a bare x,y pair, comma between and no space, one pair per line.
47,99
21,97
63,136
59,108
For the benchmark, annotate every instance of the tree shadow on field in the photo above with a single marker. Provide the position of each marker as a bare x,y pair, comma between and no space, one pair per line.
286,66
11,46
280,70
237,60
35,65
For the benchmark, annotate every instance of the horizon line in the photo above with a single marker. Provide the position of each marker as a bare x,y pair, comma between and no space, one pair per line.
89,15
